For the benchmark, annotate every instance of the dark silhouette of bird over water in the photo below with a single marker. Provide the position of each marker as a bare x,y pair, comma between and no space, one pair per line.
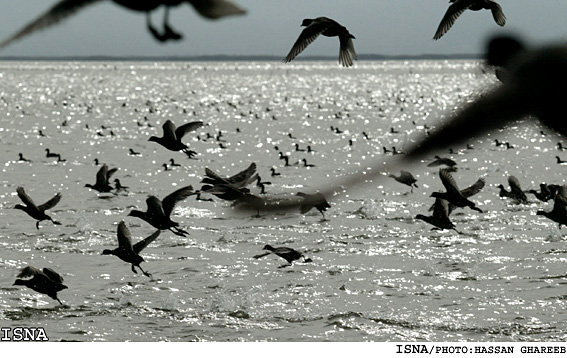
453,194
326,27
44,281
37,212
440,218
159,211
22,159
546,192
172,136
515,192
285,253
442,161
405,178
310,201
467,193
102,184
459,6
211,9
559,211
537,81
130,253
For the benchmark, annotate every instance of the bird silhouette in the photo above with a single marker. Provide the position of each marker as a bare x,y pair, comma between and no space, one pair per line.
311,201
453,194
102,180
406,178
559,211
515,192
440,218
37,212
285,253
45,281
459,6
130,253
159,211
212,9
326,27
172,137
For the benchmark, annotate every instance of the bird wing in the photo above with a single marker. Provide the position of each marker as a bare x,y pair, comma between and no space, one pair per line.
168,203
448,182
140,245
473,189
186,128
214,9
155,207
54,276
244,177
452,14
29,271
307,36
441,209
101,176
514,184
346,50
169,130
215,177
51,203
25,197
60,11
109,173
124,237
497,13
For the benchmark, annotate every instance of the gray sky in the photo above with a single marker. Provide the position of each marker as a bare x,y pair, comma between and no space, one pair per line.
390,27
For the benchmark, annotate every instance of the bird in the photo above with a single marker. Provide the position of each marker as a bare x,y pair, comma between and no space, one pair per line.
559,160
37,212
211,9
49,154
326,27
262,184
467,193
173,163
130,253
440,218
118,185
22,159
172,136
239,180
442,161
297,149
459,6
546,192
560,146
45,281
311,201
515,192
307,165
406,178
102,178
559,211
274,172
285,253
133,152
453,195
159,211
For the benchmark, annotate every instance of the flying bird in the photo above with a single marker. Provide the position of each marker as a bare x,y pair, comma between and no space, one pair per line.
44,281
102,180
559,211
159,211
130,253
326,27
311,201
37,212
459,6
515,192
211,9
453,194
405,178
172,136
440,218
285,253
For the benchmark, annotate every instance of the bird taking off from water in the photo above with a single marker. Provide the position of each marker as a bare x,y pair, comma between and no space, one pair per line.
459,6
211,9
326,27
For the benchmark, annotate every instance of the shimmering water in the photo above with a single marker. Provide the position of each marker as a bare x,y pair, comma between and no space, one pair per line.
377,273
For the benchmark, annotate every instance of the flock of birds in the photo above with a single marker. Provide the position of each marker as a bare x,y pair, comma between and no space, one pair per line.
533,83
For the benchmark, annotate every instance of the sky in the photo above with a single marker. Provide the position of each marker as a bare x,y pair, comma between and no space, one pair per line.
384,27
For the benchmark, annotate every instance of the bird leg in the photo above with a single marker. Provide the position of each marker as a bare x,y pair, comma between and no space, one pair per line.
144,272
153,31
168,32
178,231
37,225
58,300
133,269
189,153
55,222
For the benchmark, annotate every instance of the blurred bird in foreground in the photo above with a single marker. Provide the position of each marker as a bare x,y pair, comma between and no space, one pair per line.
211,9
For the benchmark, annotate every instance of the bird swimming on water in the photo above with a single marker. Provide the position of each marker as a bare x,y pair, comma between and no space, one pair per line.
172,136
45,281
285,253
326,27
211,9
459,6
37,212
130,253
159,211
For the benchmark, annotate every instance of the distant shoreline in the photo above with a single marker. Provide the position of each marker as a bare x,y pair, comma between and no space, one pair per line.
228,58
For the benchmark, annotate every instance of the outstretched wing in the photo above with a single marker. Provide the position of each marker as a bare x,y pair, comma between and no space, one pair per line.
245,177
214,9
441,209
139,246
186,128
124,236
168,203
29,271
25,197
307,36
54,276
169,130
60,11
448,182
346,50
514,184
473,189
102,175
51,203
452,14
497,13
